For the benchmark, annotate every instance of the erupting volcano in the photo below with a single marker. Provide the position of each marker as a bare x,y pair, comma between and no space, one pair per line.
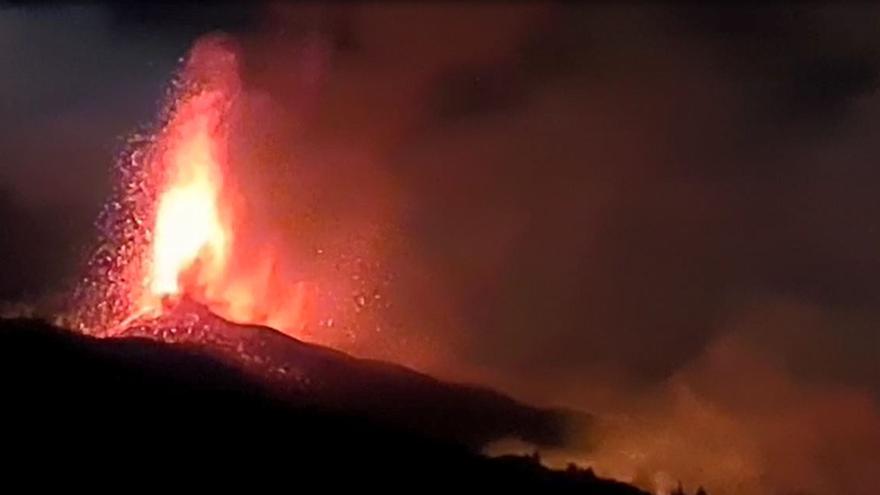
171,232
491,247
166,273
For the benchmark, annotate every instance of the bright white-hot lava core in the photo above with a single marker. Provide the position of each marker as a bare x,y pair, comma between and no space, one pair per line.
188,232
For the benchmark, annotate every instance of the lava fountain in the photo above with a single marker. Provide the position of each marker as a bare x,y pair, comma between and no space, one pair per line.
170,232
188,227
187,244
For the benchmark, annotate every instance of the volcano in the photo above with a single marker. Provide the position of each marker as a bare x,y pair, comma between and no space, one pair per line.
216,401
180,353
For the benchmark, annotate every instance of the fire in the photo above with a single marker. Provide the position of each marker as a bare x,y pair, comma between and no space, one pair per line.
179,226
189,232
192,247
169,231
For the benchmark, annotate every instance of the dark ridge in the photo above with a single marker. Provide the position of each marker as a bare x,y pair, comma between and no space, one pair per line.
146,410
307,374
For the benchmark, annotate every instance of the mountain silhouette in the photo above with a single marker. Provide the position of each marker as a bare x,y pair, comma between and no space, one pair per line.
195,398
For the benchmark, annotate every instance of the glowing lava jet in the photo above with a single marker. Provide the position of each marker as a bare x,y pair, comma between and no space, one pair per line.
188,244
189,234
169,232
192,246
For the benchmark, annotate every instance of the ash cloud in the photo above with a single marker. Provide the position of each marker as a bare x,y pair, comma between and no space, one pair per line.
583,186
577,203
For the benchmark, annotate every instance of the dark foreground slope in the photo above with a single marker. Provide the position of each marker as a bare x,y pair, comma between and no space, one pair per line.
144,411
308,374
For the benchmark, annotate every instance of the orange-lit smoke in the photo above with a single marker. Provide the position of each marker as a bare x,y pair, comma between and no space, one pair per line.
735,421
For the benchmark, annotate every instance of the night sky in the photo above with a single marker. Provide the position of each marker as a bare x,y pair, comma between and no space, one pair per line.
590,203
